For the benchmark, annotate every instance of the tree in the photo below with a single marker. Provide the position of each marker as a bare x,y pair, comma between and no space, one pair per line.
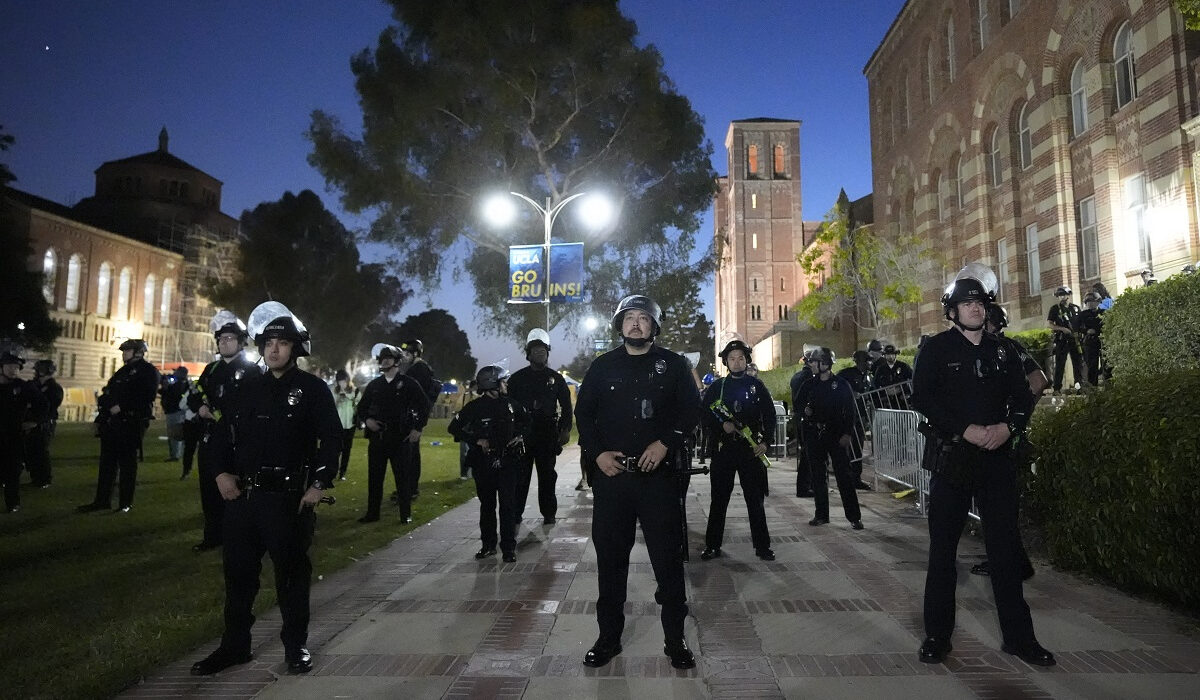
543,97
297,252
446,347
24,313
867,277
1190,9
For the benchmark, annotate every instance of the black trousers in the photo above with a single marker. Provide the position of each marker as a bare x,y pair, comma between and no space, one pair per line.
193,433
211,503
37,454
1063,349
497,491
119,445
11,462
822,446
382,450
996,496
735,457
620,503
543,461
347,446
1091,354
266,523
414,470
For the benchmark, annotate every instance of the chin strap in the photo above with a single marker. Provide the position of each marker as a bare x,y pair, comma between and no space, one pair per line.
966,328
636,342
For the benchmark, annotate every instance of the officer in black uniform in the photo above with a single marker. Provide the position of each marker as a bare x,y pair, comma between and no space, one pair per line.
1063,318
544,394
748,402
862,381
37,441
281,452
414,366
394,410
826,404
1090,325
635,406
214,395
891,375
21,409
798,379
975,396
495,428
126,404
875,354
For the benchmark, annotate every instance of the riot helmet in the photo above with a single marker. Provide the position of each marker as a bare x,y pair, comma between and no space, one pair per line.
383,351
489,378
975,282
638,302
414,346
12,354
997,316
537,335
272,319
735,345
1091,297
44,368
225,321
137,345
824,356
1063,291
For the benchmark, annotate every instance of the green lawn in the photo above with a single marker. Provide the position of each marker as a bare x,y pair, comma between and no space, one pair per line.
91,602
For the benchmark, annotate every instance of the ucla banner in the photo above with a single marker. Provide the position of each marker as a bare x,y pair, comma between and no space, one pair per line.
527,269
566,272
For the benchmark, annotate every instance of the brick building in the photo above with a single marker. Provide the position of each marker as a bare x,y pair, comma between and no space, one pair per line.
1053,141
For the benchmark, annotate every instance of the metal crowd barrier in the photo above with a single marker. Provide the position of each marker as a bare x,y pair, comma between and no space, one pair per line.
778,446
896,447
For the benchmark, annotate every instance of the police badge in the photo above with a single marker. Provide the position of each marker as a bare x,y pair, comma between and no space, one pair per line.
660,366
293,397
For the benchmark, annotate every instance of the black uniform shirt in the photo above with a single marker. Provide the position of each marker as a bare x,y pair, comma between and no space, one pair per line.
1028,364
400,403
1065,317
543,392
1090,320
746,397
287,421
958,383
861,382
832,404
219,383
798,379
497,420
422,373
628,401
132,387
896,374
20,401
52,392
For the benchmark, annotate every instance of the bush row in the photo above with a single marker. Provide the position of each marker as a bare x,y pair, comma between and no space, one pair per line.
1154,329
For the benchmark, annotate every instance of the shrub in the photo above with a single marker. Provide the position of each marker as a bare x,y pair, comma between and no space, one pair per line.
1154,329
1115,490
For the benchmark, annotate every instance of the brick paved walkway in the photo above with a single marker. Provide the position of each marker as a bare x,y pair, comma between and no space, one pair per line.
838,615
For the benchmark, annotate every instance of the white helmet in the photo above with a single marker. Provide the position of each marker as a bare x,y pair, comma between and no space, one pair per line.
537,335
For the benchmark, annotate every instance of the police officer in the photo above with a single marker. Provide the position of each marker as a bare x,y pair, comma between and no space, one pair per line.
635,406
892,375
1090,325
21,409
37,441
414,366
171,393
126,404
799,378
975,396
495,427
280,453
862,381
1063,318
394,410
544,394
827,406
875,353
731,403
214,396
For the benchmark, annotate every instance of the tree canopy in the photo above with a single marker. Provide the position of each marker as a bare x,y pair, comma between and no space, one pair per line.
296,252
447,348
463,98
24,313
1190,9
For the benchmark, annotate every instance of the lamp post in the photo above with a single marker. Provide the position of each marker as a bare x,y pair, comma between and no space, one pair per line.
596,212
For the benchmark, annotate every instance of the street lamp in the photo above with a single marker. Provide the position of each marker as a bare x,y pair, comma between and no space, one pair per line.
595,211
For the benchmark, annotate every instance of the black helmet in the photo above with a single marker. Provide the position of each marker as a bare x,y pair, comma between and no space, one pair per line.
225,321
272,319
890,349
975,282
44,368
997,316
12,356
735,345
637,302
1063,291
413,345
135,344
875,345
1090,297
861,356
383,351
488,378
823,355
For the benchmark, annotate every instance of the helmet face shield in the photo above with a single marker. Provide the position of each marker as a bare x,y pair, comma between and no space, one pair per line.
225,321
272,319
383,351
489,378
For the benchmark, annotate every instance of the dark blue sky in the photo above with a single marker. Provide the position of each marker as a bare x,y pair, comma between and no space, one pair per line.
234,82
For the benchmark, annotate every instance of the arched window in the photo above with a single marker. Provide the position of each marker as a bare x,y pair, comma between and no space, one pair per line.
49,275
752,160
984,21
104,289
906,114
164,307
780,170
951,67
959,176
1124,71
74,272
939,196
994,164
1025,136
930,72
1079,104
124,290
148,302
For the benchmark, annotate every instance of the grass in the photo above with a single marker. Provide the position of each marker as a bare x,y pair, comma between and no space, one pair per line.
92,602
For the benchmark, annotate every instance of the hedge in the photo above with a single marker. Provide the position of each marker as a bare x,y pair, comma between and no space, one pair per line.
1154,329
1116,492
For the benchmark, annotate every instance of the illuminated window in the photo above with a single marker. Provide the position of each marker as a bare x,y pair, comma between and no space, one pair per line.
49,275
148,300
754,201
164,308
1033,259
1088,238
74,272
1124,68
1135,218
124,290
1079,104
754,241
1001,266
104,289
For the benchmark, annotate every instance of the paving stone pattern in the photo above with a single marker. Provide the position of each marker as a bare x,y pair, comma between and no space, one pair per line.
837,615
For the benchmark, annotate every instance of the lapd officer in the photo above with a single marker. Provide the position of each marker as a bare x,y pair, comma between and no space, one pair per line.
746,401
415,367
394,410
281,451
495,428
544,394
827,405
1090,324
215,393
37,441
875,353
1063,318
799,378
21,408
126,404
635,405
862,381
891,374
975,396
171,392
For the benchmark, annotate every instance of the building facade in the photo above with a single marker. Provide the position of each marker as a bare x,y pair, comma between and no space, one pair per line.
1053,141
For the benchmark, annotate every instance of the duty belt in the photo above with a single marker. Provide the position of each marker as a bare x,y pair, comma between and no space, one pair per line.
273,479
